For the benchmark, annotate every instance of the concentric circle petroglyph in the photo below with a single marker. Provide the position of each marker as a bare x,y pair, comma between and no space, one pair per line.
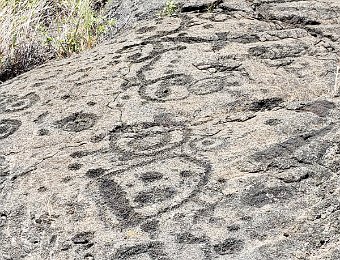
14,103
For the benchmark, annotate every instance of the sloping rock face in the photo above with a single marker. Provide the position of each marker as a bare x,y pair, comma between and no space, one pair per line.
127,12
209,135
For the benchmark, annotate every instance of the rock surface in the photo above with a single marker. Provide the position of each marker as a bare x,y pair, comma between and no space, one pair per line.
208,135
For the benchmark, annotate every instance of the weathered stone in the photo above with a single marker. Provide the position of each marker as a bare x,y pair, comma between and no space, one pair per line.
210,134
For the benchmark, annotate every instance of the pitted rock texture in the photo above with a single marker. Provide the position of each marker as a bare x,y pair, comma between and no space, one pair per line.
208,135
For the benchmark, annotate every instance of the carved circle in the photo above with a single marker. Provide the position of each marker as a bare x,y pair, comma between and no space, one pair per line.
169,88
13,103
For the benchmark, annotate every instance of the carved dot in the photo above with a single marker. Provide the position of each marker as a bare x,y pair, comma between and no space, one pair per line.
80,154
273,122
146,29
74,166
246,218
169,72
43,132
154,195
162,93
82,238
91,103
186,174
150,226
208,142
42,189
188,238
221,180
66,179
229,246
98,138
208,26
148,177
65,97
233,227
93,173
125,97
77,122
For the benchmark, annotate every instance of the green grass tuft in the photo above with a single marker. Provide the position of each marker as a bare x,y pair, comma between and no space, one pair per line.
169,9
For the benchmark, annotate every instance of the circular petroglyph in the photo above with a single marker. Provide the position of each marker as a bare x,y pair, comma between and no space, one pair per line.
148,141
14,103
209,143
148,177
77,122
151,189
8,127
169,88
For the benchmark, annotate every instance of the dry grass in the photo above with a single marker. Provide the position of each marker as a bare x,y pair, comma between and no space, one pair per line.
34,31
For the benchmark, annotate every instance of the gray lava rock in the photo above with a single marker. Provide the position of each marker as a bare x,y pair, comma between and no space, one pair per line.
210,134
